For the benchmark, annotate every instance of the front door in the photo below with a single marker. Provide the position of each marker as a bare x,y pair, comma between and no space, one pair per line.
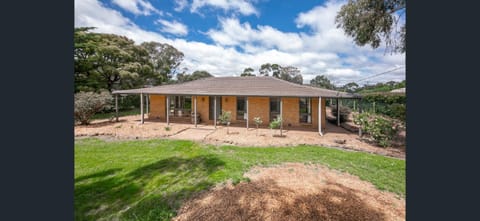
212,104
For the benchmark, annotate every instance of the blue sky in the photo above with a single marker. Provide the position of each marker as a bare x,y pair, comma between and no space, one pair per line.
223,36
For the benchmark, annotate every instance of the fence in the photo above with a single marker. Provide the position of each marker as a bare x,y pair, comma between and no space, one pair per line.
391,109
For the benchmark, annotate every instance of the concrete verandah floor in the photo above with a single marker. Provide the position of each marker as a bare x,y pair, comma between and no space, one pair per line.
129,127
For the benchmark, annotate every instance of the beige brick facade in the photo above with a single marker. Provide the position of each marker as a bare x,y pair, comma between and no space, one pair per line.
157,107
257,106
229,103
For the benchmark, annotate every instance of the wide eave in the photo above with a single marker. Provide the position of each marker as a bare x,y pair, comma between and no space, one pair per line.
240,86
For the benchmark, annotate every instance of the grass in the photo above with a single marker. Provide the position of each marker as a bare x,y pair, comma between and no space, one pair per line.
100,116
149,179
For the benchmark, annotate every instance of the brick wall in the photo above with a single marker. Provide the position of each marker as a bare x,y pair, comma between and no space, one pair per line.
157,107
290,111
258,107
202,108
229,103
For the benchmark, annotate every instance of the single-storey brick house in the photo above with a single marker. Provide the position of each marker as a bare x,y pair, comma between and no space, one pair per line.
245,97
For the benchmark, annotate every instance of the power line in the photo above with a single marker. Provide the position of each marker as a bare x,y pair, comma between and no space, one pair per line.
375,75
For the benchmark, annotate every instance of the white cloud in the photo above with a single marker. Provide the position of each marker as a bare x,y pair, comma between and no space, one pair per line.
242,6
313,53
180,5
137,7
173,27
233,33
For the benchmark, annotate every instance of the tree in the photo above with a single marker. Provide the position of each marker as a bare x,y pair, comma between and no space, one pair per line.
270,70
292,74
323,82
194,76
89,103
350,87
247,72
105,61
371,21
165,60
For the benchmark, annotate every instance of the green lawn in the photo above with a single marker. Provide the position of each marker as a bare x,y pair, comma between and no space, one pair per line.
101,116
148,180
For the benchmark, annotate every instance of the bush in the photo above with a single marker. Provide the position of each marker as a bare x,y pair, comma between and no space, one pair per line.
344,112
258,121
381,129
397,111
225,117
276,123
89,103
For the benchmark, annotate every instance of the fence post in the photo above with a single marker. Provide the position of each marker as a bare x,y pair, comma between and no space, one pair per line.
374,107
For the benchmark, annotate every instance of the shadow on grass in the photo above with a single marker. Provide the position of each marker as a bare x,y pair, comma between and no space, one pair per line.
101,174
266,200
151,192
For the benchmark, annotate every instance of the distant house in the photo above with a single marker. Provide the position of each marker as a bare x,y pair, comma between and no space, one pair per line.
244,97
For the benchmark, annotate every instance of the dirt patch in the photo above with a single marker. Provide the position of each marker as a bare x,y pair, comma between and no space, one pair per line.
130,128
295,191
265,137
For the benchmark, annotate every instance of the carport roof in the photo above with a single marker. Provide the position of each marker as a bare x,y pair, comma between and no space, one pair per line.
240,86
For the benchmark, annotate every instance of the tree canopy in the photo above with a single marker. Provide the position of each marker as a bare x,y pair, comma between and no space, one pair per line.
371,21
247,72
288,73
322,81
109,61
194,76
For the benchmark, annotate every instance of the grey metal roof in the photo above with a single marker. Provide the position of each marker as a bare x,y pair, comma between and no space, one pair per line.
240,86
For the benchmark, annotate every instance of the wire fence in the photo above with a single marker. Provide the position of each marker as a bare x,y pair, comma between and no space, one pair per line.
395,110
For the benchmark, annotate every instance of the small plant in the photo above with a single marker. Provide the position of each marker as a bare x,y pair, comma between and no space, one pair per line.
258,121
225,118
167,128
381,129
277,123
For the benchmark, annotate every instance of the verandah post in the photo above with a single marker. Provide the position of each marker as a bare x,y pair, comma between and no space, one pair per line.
141,107
215,111
168,110
338,113
195,110
320,116
116,107
246,98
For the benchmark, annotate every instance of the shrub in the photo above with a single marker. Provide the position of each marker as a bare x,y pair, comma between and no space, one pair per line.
381,129
344,112
89,103
167,128
258,121
276,123
225,117
398,111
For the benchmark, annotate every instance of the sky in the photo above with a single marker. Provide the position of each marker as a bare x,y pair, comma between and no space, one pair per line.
224,37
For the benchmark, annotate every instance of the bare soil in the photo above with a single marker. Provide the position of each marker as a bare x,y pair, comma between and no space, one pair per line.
130,128
294,191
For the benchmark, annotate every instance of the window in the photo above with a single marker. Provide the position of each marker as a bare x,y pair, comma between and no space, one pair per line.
180,105
274,108
305,110
241,108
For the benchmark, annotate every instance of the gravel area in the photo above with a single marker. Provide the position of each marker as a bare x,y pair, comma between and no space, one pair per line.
295,191
130,128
